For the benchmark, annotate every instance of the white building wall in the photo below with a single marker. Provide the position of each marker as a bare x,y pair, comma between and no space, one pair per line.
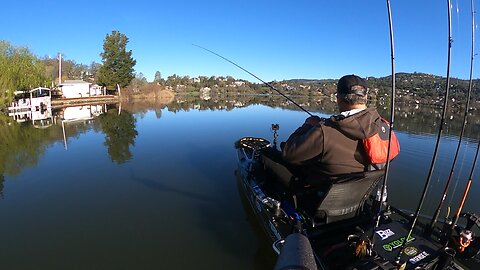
95,90
76,90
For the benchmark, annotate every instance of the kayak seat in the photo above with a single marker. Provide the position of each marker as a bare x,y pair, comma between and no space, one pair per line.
335,198
343,198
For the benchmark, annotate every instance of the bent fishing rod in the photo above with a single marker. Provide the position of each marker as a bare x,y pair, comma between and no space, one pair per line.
439,135
392,117
465,194
267,84
447,185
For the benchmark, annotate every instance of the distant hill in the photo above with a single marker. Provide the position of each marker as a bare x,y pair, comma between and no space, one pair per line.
420,88
414,88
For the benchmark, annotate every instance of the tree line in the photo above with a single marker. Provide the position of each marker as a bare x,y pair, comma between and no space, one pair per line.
21,70
411,88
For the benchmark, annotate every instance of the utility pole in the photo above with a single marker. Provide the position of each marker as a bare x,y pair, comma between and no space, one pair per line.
59,69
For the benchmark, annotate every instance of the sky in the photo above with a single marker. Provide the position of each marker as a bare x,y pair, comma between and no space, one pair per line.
275,40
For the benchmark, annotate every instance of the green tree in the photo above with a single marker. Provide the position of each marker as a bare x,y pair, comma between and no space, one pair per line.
158,77
19,70
173,80
117,62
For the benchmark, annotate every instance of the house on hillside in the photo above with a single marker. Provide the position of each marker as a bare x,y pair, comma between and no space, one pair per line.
96,90
79,88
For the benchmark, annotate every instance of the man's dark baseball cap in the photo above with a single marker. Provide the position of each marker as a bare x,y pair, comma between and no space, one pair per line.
346,85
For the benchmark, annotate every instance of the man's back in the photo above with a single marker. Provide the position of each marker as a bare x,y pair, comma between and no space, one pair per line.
333,146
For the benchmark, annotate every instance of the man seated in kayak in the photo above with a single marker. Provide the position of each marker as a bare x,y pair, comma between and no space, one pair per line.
326,147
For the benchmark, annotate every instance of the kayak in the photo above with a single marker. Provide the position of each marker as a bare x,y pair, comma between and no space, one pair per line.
339,225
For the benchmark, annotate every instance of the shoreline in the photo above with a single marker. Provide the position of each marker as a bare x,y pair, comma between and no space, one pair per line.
65,102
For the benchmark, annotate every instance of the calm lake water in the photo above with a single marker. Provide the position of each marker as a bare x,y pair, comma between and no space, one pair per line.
152,186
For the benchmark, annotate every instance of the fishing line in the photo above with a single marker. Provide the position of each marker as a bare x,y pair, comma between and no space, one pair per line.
465,193
267,84
457,181
392,119
437,144
458,17
447,185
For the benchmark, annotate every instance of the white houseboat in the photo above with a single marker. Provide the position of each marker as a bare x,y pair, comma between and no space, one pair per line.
37,99
34,105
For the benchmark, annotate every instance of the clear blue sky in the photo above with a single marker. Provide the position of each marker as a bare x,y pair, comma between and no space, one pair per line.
273,39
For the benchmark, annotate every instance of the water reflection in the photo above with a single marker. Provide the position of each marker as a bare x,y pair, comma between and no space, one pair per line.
415,119
2,179
143,178
41,118
26,134
81,113
77,115
22,142
120,133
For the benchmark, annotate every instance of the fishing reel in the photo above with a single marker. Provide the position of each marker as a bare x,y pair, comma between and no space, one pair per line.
466,244
464,240
361,244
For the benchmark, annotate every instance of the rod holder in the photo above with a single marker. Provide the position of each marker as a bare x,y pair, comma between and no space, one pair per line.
446,258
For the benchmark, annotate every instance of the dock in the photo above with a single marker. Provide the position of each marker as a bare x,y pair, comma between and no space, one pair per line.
65,102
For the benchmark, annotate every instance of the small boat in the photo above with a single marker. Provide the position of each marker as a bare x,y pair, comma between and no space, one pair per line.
37,99
335,227
34,105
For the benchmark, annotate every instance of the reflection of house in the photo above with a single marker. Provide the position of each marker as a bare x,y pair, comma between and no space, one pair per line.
205,93
79,88
34,105
79,113
42,119
39,118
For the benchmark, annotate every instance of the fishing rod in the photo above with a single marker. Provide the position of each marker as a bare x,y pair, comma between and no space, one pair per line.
447,185
267,84
392,117
465,193
435,152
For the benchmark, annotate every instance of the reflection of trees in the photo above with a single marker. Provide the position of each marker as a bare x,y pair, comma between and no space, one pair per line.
231,101
426,119
142,106
2,179
409,118
21,145
158,113
120,133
